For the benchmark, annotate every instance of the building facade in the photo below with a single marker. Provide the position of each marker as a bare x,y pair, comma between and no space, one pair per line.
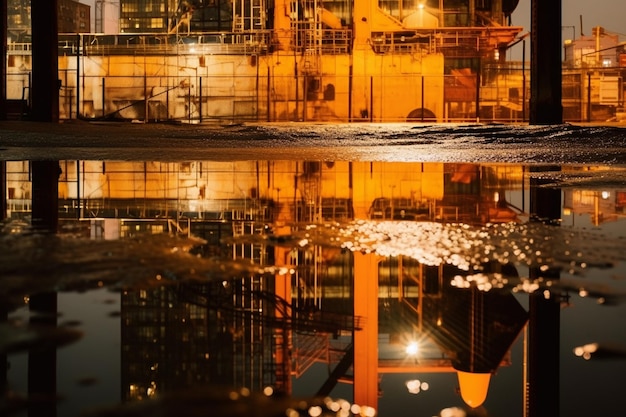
260,60
73,17
107,16
170,16
600,49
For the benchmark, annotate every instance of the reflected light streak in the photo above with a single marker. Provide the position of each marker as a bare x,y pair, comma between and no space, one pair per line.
452,412
415,386
586,351
471,249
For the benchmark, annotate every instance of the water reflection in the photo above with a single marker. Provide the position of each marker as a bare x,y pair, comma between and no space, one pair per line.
270,281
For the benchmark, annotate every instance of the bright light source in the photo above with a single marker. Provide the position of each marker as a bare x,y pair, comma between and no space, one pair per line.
605,195
412,349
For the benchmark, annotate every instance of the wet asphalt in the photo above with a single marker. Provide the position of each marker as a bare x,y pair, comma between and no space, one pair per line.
471,142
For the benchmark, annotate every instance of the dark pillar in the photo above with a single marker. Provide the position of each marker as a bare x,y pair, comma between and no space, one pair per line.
42,360
45,82
4,369
3,66
4,365
544,315
3,190
545,72
543,355
45,183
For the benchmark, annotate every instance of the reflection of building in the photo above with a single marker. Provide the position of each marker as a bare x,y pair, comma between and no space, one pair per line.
202,192
264,330
230,332
165,344
599,205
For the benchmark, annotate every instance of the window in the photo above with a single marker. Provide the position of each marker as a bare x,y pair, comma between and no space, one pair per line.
156,22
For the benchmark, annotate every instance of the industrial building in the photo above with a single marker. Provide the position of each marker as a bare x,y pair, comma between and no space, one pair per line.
285,61
73,17
333,61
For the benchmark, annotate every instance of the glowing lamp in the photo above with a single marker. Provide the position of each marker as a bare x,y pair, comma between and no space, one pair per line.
412,349
474,387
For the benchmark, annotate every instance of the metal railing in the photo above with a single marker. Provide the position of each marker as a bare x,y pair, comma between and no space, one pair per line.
500,94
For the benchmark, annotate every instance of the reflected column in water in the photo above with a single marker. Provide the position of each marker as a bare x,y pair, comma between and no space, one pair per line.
3,190
3,311
284,341
366,339
43,307
45,186
4,365
42,365
544,320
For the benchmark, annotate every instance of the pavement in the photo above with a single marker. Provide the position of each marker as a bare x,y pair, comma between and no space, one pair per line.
403,142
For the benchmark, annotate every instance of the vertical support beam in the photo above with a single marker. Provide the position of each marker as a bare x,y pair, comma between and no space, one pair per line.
544,317
283,336
366,339
543,355
42,360
79,47
45,183
45,88
200,98
350,84
4,364
545,78
3,190
4,313
478,81
3,66
42,364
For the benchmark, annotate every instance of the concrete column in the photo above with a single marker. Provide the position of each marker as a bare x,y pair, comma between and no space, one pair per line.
45,81
545,73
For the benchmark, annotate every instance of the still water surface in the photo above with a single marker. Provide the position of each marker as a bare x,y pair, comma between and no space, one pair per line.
231,288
